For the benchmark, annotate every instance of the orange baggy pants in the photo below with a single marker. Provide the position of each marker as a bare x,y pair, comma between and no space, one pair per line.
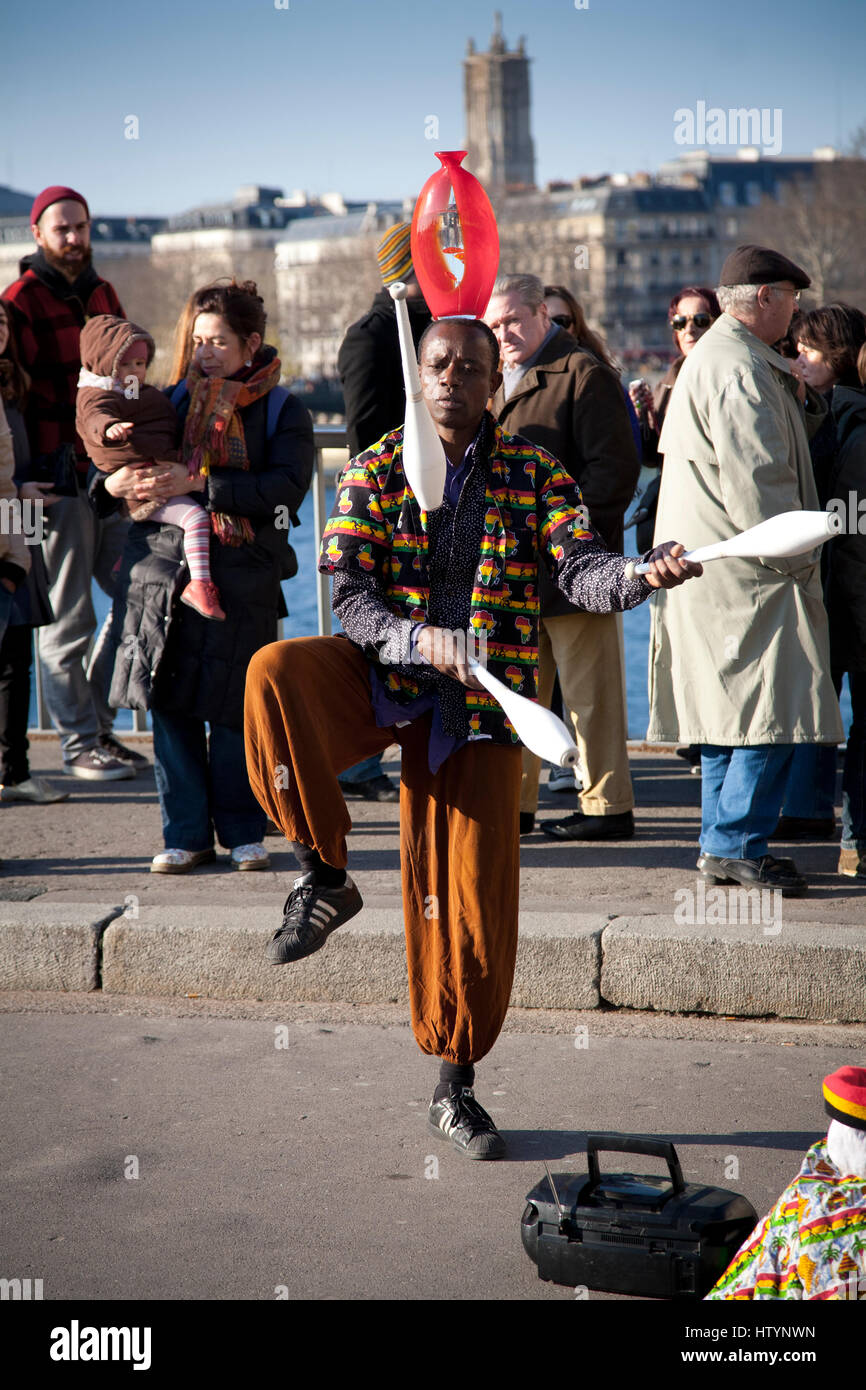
308,717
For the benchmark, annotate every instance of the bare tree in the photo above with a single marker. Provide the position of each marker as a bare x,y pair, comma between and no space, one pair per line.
821,224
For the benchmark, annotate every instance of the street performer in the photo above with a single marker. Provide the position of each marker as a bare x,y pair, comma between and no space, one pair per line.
408,589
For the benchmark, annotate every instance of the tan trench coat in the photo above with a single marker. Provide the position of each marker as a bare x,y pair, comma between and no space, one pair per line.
741,656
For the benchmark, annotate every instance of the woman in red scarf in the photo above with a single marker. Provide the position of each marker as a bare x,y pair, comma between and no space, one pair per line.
253,465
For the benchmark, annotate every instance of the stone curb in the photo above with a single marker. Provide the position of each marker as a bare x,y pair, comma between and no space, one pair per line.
793,970
193,950
52,945
564,961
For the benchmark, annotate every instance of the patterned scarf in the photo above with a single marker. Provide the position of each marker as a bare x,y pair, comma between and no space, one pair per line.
213,436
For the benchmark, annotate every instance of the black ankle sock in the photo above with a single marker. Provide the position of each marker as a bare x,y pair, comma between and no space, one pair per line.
311,862
453,1074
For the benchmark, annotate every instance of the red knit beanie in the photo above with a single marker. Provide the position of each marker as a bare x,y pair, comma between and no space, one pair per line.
55,194
845,1096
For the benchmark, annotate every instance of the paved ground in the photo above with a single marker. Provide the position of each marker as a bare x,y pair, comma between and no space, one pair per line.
98,846
283,1146
286,1152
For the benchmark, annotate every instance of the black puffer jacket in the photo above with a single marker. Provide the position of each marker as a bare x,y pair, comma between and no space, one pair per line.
372,373
168,656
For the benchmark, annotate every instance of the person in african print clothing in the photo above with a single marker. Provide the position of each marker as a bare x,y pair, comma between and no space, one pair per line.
812,1245
409,586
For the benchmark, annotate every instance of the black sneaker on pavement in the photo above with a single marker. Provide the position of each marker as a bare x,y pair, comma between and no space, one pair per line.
95,765
379,788
460,1118
109,744
310,914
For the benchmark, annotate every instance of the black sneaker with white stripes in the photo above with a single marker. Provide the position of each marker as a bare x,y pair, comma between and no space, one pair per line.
310,914
460,1118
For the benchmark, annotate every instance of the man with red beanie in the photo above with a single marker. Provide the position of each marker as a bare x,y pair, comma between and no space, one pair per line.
57,292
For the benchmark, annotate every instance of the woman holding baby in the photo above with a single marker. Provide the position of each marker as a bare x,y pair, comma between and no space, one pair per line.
248,461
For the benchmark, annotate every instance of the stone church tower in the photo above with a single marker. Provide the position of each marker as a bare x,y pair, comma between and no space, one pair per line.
499,147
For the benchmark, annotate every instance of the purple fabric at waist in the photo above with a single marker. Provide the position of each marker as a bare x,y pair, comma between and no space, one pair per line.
388,712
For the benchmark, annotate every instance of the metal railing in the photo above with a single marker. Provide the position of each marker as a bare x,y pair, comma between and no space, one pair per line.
326,437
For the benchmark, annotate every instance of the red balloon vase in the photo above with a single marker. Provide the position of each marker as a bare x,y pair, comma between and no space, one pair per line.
455,243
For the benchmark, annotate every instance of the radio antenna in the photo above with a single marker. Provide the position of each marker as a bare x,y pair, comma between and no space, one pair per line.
563,1214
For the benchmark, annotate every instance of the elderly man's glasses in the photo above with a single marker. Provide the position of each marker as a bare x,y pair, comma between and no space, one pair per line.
784,289
563,320
680,321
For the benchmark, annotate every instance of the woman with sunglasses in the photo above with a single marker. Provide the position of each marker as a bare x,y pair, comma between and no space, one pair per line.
691,312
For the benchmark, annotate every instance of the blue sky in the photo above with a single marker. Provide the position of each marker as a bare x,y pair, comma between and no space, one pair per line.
334,94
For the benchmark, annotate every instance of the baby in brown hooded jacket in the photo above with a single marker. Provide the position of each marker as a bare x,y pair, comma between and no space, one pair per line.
123,422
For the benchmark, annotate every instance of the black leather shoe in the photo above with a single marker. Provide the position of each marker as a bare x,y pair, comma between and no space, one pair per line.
766,872
460,1118
310,914
527,822
581,827
379,788
804,828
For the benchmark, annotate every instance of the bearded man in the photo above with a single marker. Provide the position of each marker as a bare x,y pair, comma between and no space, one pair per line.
57,292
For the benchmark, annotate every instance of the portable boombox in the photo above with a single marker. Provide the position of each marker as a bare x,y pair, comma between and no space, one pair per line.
651,1237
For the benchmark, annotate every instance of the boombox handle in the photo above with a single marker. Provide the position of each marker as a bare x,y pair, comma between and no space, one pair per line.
633,1144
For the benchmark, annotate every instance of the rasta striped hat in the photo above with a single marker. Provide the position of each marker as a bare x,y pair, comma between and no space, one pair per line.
394,254
845,1096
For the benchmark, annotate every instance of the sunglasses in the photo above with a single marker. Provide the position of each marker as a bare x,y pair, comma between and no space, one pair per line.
563,320
679,322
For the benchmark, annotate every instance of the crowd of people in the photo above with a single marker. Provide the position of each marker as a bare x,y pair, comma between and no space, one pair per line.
170,499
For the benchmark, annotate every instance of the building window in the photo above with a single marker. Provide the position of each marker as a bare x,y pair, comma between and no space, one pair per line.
727,195
753,193
731,225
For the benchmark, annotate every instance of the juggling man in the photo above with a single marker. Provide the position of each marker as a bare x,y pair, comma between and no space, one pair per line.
317,705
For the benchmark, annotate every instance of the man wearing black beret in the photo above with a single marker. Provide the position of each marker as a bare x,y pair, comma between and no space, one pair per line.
741,662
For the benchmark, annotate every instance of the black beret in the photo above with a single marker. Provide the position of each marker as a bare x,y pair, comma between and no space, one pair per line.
758,265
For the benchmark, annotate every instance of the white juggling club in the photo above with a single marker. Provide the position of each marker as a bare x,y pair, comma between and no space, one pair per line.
537,727
423,454
789,533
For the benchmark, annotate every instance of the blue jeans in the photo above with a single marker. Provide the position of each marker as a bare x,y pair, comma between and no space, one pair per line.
854,770
78,548
203,785
811,790
365,771
742,790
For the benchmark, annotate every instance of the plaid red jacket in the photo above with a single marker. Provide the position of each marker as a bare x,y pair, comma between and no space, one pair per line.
48,315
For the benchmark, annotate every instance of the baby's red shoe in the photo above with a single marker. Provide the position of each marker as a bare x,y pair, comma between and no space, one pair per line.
203,596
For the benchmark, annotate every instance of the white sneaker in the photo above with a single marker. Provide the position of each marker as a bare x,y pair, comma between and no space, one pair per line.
251,857
33,789
180,861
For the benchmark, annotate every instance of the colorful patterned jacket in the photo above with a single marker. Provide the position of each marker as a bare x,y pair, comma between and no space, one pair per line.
532,508
812,1245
